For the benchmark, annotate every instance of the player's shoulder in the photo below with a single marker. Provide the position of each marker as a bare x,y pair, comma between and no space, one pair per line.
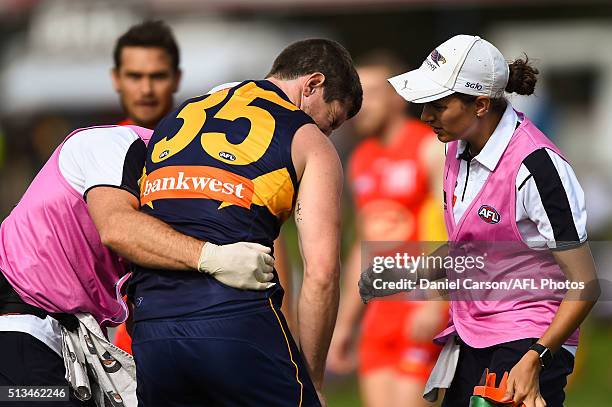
310,143
310,138
273,97
279,105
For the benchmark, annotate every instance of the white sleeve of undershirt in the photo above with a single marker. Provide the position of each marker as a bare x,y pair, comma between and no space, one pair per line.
104,156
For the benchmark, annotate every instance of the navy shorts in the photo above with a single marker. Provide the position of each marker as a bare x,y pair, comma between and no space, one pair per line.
243,360
502,358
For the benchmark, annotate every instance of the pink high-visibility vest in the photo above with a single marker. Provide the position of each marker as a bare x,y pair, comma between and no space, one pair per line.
489,320
51,252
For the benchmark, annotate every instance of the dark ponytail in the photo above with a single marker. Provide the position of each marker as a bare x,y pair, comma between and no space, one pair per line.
523,77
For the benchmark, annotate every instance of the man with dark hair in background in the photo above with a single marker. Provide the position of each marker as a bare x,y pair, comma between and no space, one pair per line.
261,148
146,73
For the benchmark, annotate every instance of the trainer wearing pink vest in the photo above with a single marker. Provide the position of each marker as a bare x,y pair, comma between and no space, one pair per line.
60,248
504,181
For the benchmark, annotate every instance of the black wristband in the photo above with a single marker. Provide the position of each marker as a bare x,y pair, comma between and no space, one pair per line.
544,353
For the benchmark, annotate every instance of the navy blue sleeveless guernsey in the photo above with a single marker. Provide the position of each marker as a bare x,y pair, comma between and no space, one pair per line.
219,169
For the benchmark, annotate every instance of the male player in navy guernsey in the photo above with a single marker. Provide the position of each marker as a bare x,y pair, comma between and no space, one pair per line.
231,166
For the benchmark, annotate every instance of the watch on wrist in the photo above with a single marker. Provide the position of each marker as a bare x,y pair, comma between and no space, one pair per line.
544,353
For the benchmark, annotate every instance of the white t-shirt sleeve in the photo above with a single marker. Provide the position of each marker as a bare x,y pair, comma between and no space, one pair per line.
550,197
103,156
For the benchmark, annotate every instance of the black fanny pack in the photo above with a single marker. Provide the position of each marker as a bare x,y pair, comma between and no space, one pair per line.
11,303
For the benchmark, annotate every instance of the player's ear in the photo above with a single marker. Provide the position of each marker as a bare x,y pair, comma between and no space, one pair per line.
314,82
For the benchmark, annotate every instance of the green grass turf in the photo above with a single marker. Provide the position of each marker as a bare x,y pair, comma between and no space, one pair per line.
592,384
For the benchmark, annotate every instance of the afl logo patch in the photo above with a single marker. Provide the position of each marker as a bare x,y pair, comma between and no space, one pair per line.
227,156
489,214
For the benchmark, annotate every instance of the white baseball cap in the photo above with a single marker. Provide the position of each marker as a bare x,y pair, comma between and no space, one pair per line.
465,64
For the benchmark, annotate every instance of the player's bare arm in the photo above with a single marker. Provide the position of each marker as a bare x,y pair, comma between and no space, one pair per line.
137,236
317,217
149,242
341,358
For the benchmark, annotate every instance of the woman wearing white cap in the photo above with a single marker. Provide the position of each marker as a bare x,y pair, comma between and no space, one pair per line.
504,181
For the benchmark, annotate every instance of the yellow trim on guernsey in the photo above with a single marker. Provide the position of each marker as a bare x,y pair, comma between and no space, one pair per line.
297,371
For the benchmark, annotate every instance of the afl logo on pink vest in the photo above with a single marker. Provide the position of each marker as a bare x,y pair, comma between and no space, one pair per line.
489,214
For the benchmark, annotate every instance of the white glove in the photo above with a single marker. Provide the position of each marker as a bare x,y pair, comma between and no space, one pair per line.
243,265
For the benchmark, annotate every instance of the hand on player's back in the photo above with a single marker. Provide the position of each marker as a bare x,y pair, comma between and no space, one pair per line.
244,265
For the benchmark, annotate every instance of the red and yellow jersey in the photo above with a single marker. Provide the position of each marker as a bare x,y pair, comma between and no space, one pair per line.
391,188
